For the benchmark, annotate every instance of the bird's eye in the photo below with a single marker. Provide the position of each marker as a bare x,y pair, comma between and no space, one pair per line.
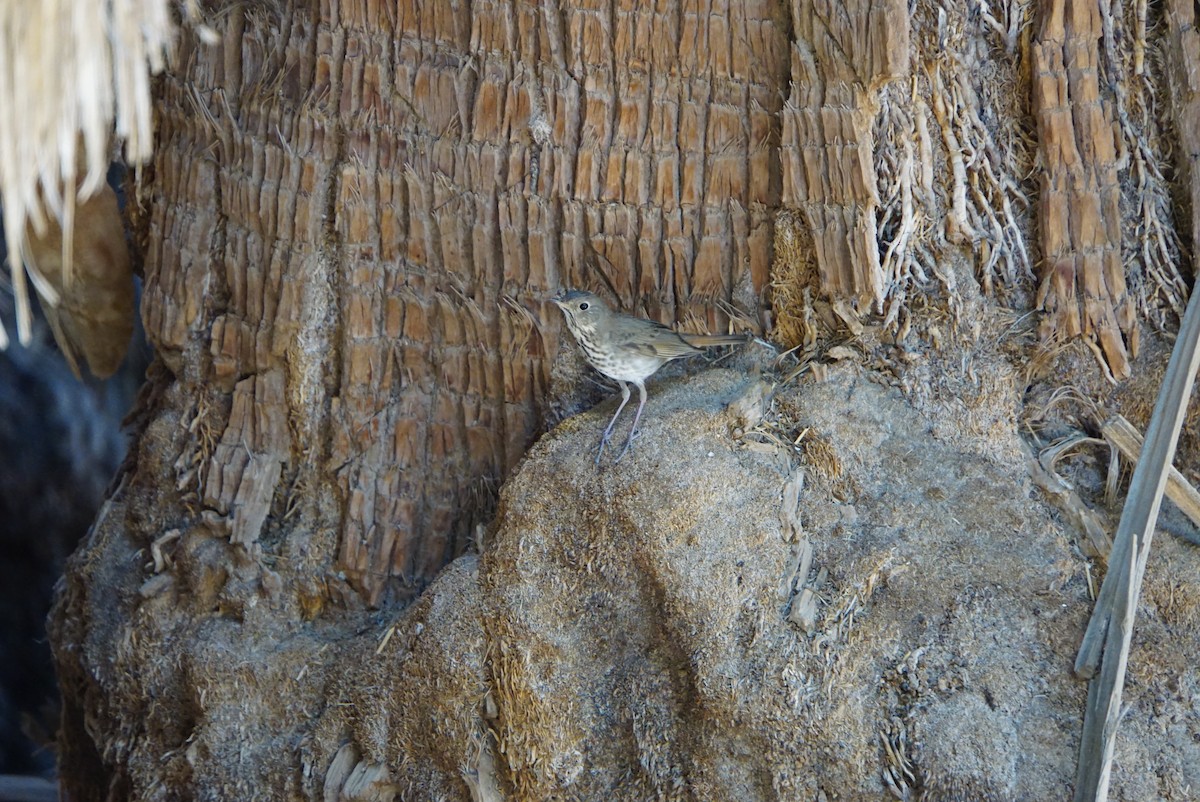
583,306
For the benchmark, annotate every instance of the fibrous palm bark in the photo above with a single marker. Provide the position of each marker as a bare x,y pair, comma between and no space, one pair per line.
358,212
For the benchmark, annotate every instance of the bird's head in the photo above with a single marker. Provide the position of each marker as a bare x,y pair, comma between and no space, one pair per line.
582,309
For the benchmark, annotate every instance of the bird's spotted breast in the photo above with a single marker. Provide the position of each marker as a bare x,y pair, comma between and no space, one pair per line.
624,348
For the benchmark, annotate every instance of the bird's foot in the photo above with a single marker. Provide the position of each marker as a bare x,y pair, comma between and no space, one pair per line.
632,436
603,443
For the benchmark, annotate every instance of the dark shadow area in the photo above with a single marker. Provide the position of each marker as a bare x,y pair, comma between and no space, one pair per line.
61,442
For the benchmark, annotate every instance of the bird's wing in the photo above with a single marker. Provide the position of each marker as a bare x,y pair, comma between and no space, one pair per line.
654,339
705,340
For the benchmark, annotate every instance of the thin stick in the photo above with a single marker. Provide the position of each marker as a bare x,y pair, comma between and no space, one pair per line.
1119,593
1125,436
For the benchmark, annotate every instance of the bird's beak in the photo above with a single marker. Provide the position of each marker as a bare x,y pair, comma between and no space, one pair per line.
557,299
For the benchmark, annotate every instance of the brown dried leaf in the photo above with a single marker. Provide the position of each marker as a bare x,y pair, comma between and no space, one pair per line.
92,319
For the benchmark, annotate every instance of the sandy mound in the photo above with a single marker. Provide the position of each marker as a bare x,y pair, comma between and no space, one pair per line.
639,631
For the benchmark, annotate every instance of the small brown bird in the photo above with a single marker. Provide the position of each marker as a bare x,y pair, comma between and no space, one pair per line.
627,349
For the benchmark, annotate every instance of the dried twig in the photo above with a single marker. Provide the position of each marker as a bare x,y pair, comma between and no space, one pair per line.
1041,470
1122,434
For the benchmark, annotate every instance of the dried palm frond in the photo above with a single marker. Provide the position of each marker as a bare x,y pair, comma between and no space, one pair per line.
72,74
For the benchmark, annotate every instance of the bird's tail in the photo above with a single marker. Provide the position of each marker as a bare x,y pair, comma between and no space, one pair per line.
706,340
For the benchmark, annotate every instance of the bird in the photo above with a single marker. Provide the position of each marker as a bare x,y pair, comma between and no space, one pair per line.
627,349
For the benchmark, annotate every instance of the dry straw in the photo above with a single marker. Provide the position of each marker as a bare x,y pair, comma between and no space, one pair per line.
72,73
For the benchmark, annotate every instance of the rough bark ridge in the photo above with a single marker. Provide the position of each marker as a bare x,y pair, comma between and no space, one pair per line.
1183,58
1083,286
841,57
358,212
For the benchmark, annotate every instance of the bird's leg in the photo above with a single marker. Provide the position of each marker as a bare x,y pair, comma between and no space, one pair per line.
611,423
637,417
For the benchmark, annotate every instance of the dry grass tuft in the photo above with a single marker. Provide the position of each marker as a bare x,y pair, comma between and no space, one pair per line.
821,457
793,279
